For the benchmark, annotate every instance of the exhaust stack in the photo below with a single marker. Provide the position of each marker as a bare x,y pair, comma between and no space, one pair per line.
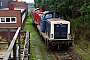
11,7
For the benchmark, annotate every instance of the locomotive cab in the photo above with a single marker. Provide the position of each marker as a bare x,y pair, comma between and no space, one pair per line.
46,15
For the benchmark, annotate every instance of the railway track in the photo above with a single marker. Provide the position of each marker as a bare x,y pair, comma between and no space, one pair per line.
62,55
66,55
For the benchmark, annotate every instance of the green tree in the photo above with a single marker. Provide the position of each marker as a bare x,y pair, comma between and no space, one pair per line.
77,10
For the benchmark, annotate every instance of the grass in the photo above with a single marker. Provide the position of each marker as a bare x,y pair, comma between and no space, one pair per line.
83,53
32,53
28,26
82,43
33,36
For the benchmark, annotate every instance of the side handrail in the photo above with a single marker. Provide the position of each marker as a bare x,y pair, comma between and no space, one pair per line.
26,51
7,54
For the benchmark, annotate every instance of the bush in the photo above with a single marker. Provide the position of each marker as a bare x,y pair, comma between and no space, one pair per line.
87,35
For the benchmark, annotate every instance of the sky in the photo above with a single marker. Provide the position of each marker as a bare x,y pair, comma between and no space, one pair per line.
27,1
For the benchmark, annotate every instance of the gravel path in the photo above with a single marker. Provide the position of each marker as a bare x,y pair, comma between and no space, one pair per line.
38,56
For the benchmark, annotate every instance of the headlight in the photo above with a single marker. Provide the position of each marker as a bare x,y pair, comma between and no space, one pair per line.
51,35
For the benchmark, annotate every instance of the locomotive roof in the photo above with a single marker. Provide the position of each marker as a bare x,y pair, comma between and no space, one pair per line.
55,19
46,12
